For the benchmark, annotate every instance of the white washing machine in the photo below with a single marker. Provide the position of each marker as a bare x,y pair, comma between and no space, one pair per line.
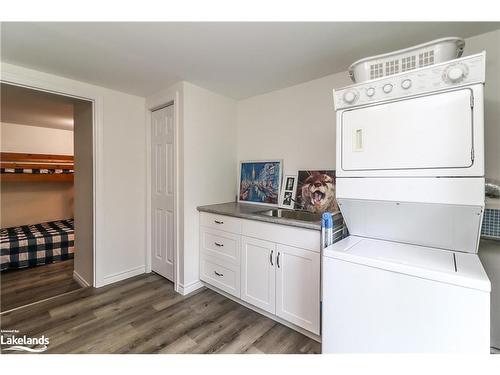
410,185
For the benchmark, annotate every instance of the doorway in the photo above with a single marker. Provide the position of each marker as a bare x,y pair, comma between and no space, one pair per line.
163,213
46,195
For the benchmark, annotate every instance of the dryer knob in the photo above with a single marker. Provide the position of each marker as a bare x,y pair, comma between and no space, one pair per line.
350,96
370,91
387,88
455,73
406,84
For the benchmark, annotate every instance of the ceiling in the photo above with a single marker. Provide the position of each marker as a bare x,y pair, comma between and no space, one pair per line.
238,60
25,106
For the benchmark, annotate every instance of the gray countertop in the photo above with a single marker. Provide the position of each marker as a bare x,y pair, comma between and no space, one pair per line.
250,211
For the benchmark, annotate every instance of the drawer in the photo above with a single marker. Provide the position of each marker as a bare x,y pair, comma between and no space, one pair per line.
220,244
221,222
283,234
222,275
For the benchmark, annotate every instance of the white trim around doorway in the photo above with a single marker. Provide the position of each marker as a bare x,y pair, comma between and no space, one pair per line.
61,86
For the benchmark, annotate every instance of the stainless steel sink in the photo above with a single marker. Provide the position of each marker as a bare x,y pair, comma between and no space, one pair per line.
292,214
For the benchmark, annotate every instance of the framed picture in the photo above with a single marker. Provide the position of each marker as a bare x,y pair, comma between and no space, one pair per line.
316,191
260,181
287,197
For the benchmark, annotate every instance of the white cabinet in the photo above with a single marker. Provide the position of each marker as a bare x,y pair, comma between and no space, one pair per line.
298,287
220,253
273,267
220,244
221,222
258,273
223,275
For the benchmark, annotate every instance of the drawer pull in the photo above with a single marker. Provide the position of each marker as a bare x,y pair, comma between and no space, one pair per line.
218,274
218,222
218,244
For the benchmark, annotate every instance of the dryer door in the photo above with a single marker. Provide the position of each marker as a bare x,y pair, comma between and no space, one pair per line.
430,135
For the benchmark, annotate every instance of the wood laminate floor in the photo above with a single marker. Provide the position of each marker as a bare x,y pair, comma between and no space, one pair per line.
144,315
28,285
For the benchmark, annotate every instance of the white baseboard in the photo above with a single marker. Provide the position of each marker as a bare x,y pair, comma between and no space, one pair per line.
80,280
189,288
119,276
265,313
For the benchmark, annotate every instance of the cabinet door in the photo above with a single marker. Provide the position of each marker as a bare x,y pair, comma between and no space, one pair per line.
298,287
258,273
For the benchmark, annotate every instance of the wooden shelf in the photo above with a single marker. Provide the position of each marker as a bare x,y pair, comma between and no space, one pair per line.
13,160
36,177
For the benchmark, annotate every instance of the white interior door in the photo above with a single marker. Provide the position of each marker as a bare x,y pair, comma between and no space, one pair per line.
163,191
258,273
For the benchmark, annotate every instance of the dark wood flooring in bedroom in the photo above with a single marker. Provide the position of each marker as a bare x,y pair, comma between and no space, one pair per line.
144,315
28,285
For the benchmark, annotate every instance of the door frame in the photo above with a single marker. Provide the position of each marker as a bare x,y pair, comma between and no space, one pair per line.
164,99
61,86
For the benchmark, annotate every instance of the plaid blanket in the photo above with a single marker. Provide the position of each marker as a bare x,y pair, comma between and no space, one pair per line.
32,245
36,171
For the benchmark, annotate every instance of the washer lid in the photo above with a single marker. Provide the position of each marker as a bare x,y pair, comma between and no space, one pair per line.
425,262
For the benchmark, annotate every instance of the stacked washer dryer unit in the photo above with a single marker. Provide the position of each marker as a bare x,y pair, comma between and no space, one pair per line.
410,185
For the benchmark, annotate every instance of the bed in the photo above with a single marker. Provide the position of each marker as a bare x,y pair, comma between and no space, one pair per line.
22,167
37,244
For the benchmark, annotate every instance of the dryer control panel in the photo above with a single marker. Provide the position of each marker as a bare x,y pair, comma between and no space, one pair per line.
450,74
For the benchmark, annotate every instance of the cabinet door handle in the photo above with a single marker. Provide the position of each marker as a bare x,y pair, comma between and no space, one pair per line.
218,222
218,244
278,260
218,274
271,257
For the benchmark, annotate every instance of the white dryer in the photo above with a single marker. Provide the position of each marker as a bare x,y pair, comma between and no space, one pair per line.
410,185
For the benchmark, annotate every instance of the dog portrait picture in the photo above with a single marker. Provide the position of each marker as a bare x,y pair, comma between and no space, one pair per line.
260,182
316,191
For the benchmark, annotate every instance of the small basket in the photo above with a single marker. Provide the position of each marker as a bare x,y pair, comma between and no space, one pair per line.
407,59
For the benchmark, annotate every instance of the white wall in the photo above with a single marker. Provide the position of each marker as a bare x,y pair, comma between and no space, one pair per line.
121,161
124,186
24,203
35,139
209,150
296,124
